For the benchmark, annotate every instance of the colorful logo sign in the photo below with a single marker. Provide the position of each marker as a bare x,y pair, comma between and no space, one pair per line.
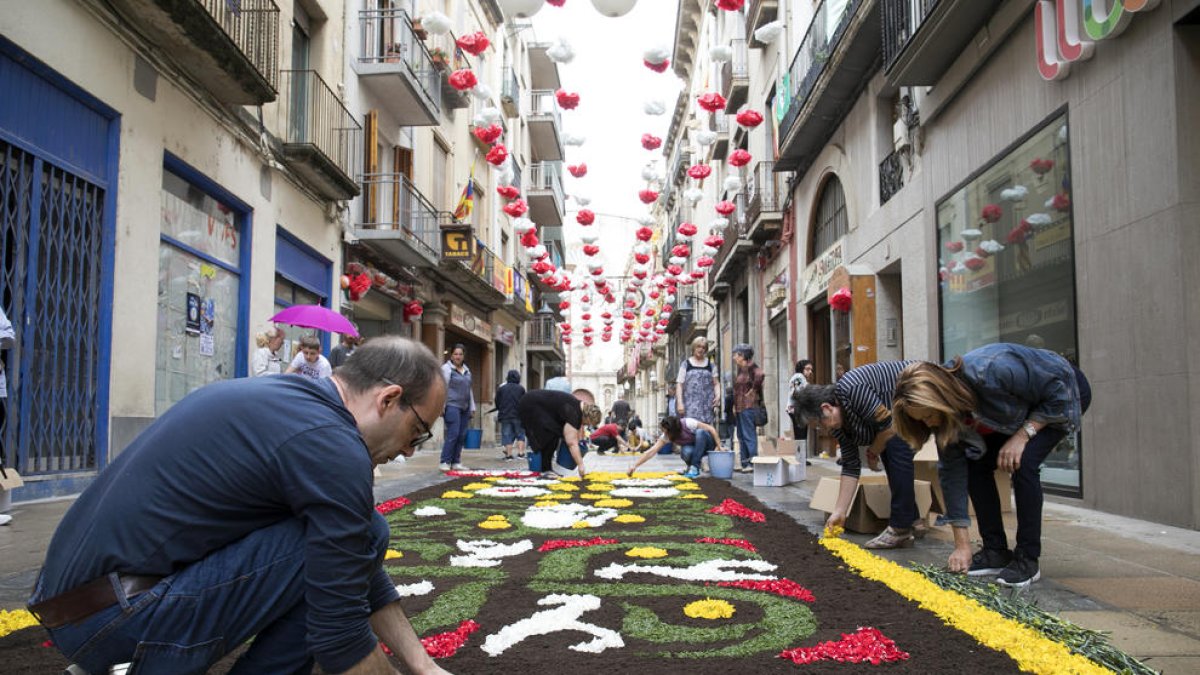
458,244
1066,30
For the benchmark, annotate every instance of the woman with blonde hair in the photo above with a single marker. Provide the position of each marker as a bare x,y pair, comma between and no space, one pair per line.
266,359
1000,406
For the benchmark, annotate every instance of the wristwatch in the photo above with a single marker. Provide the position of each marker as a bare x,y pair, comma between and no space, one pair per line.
1029,429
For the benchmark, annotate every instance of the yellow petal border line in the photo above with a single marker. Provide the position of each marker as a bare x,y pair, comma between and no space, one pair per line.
1032,652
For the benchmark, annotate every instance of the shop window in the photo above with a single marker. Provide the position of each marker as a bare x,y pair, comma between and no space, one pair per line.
832,222
201,293
302,277
1007,262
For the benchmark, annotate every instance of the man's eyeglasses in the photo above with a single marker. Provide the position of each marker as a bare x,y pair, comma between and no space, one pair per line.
426,432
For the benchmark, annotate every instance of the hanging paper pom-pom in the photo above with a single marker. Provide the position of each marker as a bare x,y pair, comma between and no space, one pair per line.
646,221
473,43
1015,193
1041,166
749,118
541,267
1018,234
693,195
413,310
556,3
686,229
482,92
648,196
674,269
677,260
714,241
564,305
730,5
537,252
561,52
573,139
577,170
971,235
585,217
566,100
657,54
974,263
720,53
658,67
712,101
739,158
725,207
992,213
463,80
523,225
644,234
591,250
516,208
359,285
581,200
841,300
706,138
654,107
1039,220
487,116
768,33
530,239
641,258
1059,202
681,250
732,184
589,237
488,134
650,173
990,247
436,23
954,246
497,154
699,171
508,192
651,142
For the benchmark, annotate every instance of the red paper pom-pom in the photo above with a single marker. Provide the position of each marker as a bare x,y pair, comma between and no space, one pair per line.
841,299
463,80
648,196
658,67
714,241
712,101
674,269
992,213
730,5
508,191
680,251
585,217
564,305
749,118
704,261
954,246
516,208
975,263
739,158
577,170
541,267
644,233
1041,166
566,100
699,171
497,154
651,142
726,208
687,229
413,310
474,43
529,239
1061,202
488,134
1017,235
641,258
359,285
590,249
558,3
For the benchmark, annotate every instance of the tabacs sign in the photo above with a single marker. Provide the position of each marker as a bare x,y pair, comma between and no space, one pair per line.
1066,30
458,244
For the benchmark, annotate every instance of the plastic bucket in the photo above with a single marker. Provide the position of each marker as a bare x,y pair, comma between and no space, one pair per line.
474,439
720,464
535,461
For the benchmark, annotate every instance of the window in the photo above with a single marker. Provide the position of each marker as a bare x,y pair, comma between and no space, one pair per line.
832,221
439,194
302,277
1007,262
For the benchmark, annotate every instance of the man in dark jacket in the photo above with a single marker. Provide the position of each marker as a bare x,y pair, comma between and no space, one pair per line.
507,397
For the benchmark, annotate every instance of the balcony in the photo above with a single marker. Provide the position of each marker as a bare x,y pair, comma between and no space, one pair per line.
510,93
484,278
758,14
719,122
735,76
832,65
516,305
323,141
397,221
679,166
543,339
394,65
543,72
544,194
545,126
921,38
231,49
766,192
891,177
731,257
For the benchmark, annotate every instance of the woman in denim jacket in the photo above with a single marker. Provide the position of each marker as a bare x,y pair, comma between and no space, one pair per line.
1000,406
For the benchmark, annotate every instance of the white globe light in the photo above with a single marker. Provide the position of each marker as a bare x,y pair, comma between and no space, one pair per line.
613,7
520,9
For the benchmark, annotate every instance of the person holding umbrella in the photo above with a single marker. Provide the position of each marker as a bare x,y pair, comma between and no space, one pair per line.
460,406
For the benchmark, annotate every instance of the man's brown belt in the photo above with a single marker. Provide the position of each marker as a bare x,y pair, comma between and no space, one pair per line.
83,601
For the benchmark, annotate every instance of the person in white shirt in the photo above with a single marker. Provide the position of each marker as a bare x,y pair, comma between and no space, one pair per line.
266,359
310,362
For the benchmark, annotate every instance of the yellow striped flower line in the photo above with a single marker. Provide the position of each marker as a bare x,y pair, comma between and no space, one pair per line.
1032,652
13,621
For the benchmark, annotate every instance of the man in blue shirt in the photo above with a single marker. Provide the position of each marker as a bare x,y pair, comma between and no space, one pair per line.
247,511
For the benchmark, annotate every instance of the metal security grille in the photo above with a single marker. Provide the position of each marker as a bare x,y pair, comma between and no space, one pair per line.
50,247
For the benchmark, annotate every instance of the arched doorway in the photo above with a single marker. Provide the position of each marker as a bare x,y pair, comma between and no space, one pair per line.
829,331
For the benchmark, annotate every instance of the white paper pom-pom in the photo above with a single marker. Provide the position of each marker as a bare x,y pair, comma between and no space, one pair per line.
677,260
769,32
706,138
718,224
573,139
561,52
436,23
482,92
991,246
693,195
523,225
1015,193
708,251
640,269
656,55
732,184
536,252
641,248
589,237
581,200
487,116
720,53
646,221
654,107
972,234
1039,220
650,173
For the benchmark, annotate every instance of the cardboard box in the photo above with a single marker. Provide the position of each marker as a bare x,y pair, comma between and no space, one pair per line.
781,447
766,445
796,470
9,481
925,468
872,503
770,471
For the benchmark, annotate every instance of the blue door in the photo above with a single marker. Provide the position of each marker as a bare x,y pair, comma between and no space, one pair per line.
57,153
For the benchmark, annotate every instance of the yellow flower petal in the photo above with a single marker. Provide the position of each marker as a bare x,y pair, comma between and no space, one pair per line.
495,525
456,494
477,486
614,503
629,518
600,487
497,517
390,555
709,609
580,525
15,620
564,487
694,496
646,552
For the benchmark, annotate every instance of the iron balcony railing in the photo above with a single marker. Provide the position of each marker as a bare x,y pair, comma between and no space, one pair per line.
542,103
766,191
252,25
317,117
542,332
679,164
517,177
891,177
510,91
487,266
391,202
719,122
736,68
819,44
546,176
387,37
901,21
736,230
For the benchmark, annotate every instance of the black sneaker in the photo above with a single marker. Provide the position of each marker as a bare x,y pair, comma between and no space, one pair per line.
989,561
1019,573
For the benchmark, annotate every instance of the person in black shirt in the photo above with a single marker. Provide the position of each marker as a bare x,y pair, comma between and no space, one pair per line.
553,417
621,412
507,397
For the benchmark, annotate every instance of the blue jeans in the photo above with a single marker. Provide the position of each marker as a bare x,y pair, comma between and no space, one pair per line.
253,587
457,421
898,464
693,453
747,436
510,432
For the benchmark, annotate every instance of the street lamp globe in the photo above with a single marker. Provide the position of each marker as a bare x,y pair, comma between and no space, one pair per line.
613,7
520,9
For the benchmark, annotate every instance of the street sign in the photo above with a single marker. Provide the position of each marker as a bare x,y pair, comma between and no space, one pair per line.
458,244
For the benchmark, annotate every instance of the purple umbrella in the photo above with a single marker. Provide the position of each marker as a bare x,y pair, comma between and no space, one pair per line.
315,316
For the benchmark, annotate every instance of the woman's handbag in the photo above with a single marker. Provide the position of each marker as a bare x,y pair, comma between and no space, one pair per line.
759,415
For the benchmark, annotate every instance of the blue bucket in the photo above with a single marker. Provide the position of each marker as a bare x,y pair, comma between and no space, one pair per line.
535,461
474,439
720,464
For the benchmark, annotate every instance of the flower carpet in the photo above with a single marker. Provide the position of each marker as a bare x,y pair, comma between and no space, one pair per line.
517,573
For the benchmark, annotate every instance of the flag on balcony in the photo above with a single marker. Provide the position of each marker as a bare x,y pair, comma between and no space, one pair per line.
466,203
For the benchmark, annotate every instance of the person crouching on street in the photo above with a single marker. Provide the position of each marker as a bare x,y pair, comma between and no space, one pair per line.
553,418
607,437
693,437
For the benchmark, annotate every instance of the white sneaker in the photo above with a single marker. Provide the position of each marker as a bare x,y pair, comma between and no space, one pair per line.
443,467
460,467
5,519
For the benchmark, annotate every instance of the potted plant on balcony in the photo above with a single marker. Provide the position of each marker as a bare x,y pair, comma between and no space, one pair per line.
419,30
440,60
392,52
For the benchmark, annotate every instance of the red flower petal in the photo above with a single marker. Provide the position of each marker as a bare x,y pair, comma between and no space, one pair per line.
392,504
730,507
865,645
